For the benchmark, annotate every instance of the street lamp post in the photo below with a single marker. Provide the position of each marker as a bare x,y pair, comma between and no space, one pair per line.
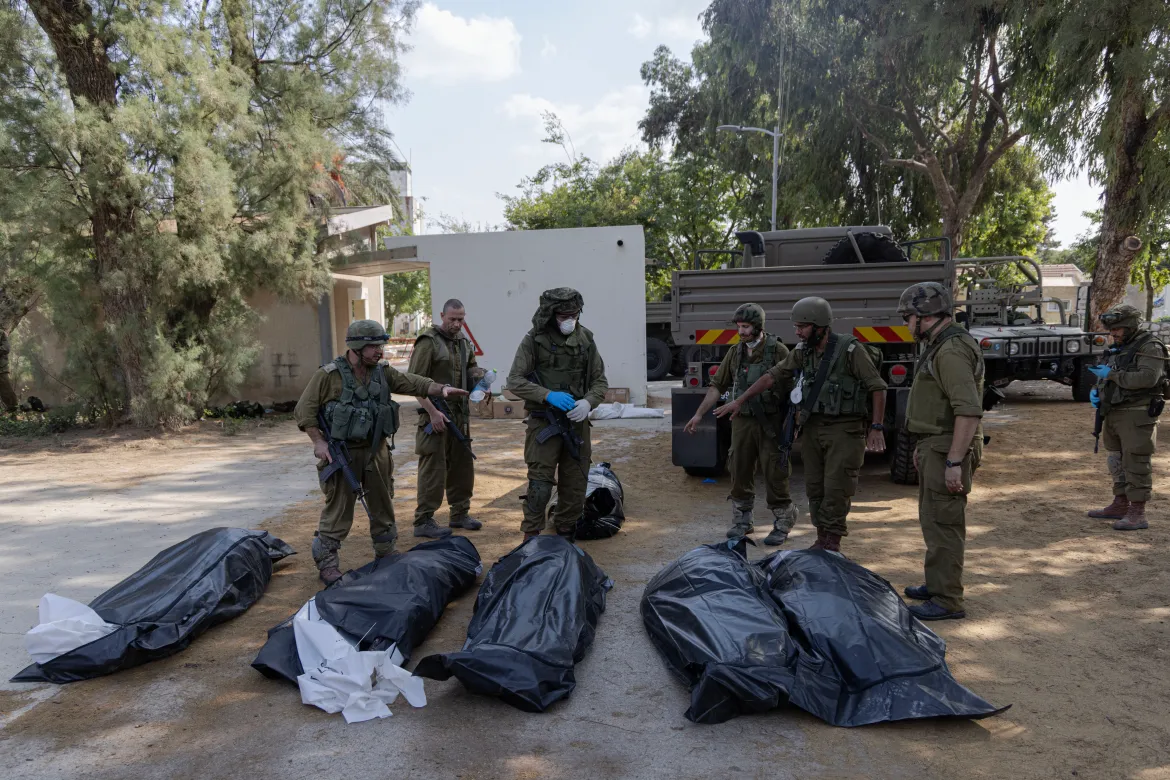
775,156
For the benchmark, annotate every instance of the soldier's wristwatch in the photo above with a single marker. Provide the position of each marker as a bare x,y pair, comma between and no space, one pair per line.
877,427
953,463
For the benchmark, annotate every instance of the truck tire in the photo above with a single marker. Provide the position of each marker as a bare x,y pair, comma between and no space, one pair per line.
902,471
657,359
1082,383
875,248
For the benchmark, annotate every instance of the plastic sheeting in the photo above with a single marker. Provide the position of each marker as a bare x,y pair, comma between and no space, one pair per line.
806,627
604,510
183,591
864,658
340,678
535,617
65,625
390,603
617,411
710,615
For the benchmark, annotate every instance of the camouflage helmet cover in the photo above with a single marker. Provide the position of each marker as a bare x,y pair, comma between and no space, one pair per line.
751,313
814,311
1122,316
559,300
362,333
924,299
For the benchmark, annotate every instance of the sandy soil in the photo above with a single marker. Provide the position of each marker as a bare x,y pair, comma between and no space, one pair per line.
1067,623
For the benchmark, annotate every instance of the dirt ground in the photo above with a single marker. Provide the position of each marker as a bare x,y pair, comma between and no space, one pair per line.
1066,622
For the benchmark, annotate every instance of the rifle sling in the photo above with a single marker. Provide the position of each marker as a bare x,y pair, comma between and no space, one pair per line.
807,403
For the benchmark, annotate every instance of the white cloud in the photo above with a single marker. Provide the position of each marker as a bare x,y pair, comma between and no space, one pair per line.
677,27
450,49
548,50
599,131
640,27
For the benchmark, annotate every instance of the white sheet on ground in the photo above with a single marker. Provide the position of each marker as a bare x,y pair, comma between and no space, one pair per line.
65,625
624,412
340,678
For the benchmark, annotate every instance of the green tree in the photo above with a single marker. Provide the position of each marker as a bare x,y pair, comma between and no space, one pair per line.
406,293
900,108
1013,214
1104,101
171,147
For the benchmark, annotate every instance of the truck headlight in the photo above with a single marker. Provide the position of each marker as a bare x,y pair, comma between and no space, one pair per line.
1072,345
1013,348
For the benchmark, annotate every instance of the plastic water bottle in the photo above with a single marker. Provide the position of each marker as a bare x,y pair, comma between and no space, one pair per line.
484,387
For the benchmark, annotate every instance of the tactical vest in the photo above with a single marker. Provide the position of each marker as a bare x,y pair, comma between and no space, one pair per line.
449,366
929,412
748,372
564,367
1115,396
365,414
842,394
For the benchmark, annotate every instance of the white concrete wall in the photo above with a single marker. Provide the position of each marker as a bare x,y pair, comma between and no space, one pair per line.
500,276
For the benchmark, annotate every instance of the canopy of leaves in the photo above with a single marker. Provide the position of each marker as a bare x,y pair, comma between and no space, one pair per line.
163,154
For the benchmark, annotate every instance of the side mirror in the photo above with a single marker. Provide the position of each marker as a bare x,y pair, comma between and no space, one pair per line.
1074,320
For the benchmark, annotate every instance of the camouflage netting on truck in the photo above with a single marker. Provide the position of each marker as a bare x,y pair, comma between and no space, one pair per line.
874,247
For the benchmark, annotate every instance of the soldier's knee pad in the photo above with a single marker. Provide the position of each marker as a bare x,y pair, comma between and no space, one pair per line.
538,496
325,551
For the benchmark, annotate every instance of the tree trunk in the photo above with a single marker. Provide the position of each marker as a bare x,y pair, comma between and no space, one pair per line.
1121,215
1149,290
84,61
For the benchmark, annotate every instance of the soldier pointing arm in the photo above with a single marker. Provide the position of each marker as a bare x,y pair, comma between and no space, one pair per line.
354,393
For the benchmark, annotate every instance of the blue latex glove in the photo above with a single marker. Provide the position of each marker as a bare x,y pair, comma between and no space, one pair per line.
1100,371
1094,398
562,401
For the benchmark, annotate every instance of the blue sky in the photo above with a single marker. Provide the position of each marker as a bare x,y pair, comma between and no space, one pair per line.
480,73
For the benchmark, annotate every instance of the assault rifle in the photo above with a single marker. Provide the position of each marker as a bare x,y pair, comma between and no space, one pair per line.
340,461
787,435
559,424
1099,420
444,409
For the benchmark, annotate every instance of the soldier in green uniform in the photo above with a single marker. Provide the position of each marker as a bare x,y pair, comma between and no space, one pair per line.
944,412
755,432
557,366
444,354
354,392
1129,393
7,396
836,426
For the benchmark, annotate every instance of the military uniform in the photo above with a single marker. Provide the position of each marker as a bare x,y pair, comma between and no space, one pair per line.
364,416
549,361
1130,399
832,438
754,432
444,463
8,397
948,383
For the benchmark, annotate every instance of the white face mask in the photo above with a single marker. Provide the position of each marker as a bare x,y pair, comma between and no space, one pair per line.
567,326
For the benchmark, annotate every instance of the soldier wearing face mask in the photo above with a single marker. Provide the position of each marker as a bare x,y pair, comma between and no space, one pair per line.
557,367
754,431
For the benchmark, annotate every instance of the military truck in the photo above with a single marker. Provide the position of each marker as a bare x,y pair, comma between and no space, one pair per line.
862,272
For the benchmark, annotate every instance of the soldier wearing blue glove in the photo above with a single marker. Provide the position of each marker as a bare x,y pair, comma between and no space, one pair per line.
1129,393
557,365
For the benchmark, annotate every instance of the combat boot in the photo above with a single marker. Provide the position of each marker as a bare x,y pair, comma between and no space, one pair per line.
827,541
529,534
783,518
430,529
1135,518
741,520
571,535
467,523
329,575
1114,511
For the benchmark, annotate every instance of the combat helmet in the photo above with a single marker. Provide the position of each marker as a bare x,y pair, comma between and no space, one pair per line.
925,299
814,311
362,333
751,313
1122,316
